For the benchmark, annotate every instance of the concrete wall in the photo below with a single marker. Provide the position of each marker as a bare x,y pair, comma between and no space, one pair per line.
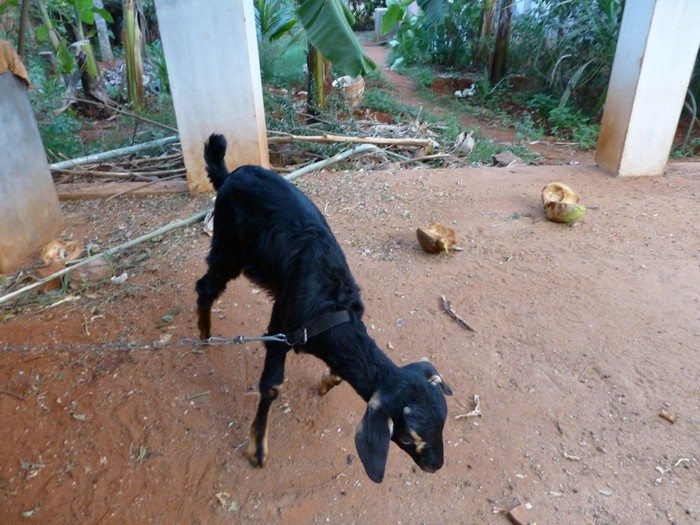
30,214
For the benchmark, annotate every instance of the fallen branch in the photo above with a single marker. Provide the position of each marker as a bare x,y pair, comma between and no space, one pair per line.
134,188
120,174
326,138
99,157
436,156
448,309
359,150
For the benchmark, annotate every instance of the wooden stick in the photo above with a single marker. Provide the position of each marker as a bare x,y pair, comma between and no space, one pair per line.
428,157
121,174
99,157
448,308
365,148
327,138
134,188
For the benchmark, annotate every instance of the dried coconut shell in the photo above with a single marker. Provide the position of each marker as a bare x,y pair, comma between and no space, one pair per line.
58,251
558,192
561,203
436,238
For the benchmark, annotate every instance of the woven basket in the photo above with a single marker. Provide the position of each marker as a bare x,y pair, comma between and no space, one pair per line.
354,92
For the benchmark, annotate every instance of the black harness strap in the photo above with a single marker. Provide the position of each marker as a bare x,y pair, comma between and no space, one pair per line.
317,326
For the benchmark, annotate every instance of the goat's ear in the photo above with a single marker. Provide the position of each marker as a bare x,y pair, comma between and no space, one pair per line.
438,380
372,442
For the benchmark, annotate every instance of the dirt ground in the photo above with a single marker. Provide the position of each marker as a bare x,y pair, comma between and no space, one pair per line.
584,334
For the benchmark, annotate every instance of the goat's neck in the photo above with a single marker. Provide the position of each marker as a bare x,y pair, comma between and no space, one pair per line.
364,366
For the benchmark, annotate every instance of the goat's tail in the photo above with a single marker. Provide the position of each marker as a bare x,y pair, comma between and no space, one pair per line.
214,151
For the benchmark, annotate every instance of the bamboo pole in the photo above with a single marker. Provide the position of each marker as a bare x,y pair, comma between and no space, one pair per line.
365,148
328,138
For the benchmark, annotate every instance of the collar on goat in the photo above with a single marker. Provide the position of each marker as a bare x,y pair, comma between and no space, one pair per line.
316,327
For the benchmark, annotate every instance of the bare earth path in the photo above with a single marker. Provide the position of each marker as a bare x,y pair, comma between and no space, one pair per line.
583,335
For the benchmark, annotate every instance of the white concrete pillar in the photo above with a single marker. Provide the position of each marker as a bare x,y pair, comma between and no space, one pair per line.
211,50
655,54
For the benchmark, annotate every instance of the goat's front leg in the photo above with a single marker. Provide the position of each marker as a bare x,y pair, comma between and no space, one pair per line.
270,381
328,381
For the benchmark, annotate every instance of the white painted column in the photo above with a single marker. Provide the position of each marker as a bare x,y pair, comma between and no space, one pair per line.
655,54
211,50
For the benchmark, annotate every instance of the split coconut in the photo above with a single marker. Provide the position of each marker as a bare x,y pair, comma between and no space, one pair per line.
436,238
561,203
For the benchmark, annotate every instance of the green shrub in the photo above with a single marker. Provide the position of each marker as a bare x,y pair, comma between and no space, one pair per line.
282,61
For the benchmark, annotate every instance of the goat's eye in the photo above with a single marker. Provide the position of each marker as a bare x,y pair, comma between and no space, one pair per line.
405,440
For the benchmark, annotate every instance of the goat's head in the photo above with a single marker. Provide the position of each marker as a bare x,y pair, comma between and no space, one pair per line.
412,414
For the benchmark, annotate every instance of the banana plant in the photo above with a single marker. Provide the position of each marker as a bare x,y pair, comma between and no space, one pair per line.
132,54
80,12
328,26
273,18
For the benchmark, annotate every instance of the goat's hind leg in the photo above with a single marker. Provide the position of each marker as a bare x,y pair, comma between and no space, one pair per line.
209,288
270,381
221,270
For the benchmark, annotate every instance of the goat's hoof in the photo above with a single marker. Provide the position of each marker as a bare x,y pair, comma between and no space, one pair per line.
328,381
256,456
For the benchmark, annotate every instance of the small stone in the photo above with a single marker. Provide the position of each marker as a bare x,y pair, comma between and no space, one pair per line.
505,159
519,515
93,272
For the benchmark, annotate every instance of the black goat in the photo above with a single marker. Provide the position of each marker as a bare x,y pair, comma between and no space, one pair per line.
268,229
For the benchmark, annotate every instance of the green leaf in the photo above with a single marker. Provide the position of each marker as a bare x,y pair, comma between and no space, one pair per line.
104,14
87,17
393,15
283,29
328,25
434,10
66,61
42,33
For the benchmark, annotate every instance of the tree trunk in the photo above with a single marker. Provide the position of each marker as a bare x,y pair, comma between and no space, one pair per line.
132,54
482,55
23,23
500,53
319,81
46,19
102,33
90,76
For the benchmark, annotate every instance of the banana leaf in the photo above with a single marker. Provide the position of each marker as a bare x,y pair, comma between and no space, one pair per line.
328,25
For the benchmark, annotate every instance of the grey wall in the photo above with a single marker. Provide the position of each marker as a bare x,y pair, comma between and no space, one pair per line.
29,211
